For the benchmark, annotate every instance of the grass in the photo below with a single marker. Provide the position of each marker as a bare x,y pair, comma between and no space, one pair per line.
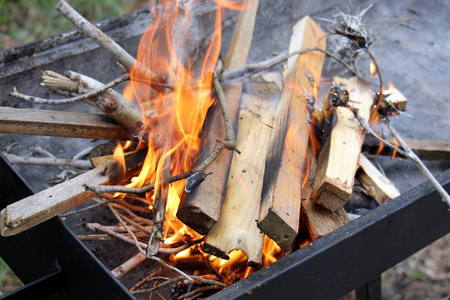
23,21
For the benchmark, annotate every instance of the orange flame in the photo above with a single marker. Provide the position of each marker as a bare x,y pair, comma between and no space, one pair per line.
373,70
174,115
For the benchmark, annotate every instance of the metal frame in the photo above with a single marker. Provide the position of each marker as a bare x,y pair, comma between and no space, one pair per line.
355,254
49,259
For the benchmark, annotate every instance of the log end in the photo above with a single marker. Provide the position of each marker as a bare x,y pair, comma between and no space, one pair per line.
195,218
208,248
11,227
320,221
331,197
278,230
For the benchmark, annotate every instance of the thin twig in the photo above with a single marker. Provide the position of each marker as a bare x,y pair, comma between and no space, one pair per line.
119,54
176,279
82,97
136,242
420,165
86,208
230,140
48,161
128,265
367,129
374,60
197,292
144,280
96,34
406,152
250,69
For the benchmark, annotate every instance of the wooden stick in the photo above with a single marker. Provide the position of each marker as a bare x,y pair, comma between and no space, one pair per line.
59,123
49,161
236,228
374,182
339,155
320,221
280,209
49,203
200,209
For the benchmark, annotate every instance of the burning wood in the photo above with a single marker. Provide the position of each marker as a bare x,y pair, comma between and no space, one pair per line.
339,155
179,124
280,209
49,203
201,208
236,228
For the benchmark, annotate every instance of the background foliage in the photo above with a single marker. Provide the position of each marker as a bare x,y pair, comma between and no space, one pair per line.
23,21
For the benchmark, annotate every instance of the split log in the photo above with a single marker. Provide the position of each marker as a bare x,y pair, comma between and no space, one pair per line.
200,209
49,203
320,221
338,159
374,182
281,199
58,123
236,228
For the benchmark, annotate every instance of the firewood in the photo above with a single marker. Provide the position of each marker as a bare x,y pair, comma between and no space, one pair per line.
59,123
236,228
425,149
200,209
48,203
281,199
339,155
320,221
374,182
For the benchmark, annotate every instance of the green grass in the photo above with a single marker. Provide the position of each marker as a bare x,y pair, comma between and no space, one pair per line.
23,21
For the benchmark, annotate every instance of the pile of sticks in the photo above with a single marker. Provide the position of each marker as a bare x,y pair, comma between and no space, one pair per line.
289,164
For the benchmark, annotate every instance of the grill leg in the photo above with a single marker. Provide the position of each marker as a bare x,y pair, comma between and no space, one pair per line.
370,290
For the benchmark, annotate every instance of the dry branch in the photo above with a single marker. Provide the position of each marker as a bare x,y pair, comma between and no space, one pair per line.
49,161
58,123
236,228
339,155
281,200
49,203
201,208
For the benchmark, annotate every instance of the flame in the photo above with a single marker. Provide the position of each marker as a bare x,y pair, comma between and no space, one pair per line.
173,116
235,4
173,119
373,70
119,157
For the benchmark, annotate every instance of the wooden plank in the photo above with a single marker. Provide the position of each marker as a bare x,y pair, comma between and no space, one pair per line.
374,182
200,209
339,155
49,203
59,123
281,200
236,228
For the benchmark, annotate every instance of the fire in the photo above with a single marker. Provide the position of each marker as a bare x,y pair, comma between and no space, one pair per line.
373,70
173,114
